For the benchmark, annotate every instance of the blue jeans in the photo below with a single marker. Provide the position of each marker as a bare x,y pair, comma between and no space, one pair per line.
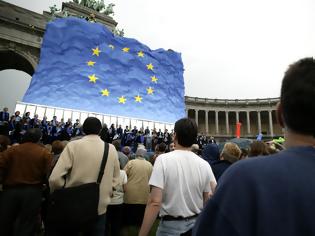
175,228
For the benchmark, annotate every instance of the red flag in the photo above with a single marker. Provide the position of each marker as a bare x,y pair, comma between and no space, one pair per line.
238,129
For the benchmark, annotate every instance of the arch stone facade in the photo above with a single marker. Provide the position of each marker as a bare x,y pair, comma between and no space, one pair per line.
22,30
218,117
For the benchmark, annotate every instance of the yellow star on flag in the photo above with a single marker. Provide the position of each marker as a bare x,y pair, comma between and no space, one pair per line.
105,92
90,63
111,46
140,54
150,66
154,79
126,49
138,98
150,90
96,51
93,78
122,100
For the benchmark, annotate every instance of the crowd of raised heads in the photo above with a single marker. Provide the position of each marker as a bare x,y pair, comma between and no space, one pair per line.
14,126
12,129
160,182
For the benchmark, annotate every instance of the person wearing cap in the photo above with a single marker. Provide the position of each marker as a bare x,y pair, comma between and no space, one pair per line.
79,163
137,188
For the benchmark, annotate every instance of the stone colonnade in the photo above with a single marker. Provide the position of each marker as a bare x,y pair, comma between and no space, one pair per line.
219,117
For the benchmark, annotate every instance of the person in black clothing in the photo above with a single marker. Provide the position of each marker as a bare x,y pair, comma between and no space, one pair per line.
211,153
160,136
104,134
272,195
111,133
147,131
119,132
4,115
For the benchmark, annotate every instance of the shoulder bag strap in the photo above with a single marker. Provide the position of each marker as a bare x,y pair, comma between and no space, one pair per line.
104,160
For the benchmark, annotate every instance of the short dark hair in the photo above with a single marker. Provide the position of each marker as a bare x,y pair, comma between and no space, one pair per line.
117,144
92,125
297,97
161,147
32,135
186,132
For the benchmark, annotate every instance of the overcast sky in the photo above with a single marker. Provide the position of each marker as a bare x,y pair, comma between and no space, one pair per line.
230,48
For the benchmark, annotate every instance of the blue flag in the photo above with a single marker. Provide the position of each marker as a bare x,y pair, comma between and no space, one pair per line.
83,66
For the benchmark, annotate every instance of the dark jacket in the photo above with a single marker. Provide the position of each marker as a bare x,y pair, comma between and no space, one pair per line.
4,116
219,167
211,153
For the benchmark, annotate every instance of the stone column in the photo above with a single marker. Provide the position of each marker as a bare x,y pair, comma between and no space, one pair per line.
187,110
237,117
270,123
259,122
206,121
248,122
216,122
227,122
196,116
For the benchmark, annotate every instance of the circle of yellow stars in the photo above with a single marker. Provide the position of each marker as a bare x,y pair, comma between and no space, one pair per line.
105,92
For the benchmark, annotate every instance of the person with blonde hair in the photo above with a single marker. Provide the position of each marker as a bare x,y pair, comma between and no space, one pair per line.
230,154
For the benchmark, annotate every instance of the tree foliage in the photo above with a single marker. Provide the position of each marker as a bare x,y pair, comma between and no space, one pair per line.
96,5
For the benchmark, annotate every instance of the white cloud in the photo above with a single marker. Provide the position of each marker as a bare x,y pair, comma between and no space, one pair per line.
230,49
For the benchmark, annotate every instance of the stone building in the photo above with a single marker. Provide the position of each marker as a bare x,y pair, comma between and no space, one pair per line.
218,117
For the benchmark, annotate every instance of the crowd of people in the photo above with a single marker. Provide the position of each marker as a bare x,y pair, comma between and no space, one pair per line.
187,183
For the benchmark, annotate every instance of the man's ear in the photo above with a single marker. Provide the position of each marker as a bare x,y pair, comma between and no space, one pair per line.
279,114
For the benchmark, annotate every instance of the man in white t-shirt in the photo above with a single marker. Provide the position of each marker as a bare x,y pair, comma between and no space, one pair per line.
181,184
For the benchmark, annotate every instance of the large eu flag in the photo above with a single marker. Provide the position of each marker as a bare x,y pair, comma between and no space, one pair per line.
83,66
